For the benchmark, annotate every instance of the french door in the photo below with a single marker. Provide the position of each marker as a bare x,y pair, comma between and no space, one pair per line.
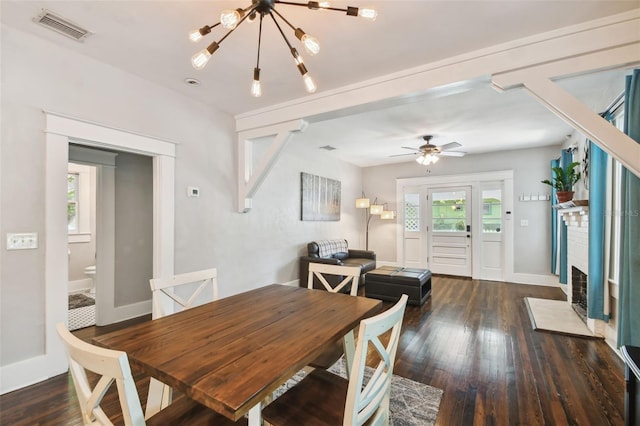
449,230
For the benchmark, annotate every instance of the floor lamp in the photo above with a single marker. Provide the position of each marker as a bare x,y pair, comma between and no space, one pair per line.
374,209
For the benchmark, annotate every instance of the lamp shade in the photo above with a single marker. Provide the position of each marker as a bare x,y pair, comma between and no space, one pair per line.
362,203
388,214
376,209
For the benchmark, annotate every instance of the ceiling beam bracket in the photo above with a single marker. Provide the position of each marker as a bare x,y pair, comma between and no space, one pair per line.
250,179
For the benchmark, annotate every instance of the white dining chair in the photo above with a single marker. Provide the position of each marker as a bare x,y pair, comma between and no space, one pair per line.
171,295
323,398
113,366
351,275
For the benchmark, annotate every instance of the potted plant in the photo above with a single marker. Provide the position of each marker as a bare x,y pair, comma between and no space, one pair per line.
563,181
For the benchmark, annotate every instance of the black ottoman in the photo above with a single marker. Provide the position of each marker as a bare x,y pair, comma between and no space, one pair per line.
390,282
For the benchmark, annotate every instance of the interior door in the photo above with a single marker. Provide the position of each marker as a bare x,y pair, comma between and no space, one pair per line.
414,225
449,230
491,260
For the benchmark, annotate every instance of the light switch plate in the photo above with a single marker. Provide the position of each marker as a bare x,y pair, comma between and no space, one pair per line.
24,241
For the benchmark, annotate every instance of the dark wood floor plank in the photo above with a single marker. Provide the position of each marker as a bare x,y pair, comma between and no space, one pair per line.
471,338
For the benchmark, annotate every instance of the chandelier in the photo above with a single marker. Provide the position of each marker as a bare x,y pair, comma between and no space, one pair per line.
231,19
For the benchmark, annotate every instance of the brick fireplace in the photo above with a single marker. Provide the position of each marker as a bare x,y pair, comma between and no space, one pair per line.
577,220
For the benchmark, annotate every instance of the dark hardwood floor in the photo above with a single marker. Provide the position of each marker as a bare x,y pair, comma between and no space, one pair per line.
473,339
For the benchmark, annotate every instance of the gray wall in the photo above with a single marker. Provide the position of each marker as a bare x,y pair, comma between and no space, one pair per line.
530,166
134,228
249,250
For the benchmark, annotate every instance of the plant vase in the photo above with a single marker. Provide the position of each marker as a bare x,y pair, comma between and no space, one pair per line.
564,196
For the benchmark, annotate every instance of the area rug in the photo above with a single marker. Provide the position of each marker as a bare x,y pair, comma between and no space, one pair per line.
80,301
556,316
411,404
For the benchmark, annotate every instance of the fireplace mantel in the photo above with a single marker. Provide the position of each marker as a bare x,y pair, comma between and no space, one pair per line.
575,216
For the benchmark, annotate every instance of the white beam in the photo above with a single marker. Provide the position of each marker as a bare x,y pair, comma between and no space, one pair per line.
249,180
608,137
603,34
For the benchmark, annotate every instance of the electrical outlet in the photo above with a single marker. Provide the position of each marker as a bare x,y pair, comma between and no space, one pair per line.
524,222
26,241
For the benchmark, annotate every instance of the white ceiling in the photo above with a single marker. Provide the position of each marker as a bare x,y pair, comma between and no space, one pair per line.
149,39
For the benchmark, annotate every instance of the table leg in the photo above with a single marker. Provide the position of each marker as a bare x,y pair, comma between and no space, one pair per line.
255,415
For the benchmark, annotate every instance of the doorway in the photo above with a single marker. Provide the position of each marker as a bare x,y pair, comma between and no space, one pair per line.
449,212
457,224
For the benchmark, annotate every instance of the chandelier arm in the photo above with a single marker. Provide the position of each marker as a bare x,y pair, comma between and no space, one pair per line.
283,18
280,29
311,5
259,42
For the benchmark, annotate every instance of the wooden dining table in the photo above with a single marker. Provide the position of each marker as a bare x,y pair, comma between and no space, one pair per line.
232,353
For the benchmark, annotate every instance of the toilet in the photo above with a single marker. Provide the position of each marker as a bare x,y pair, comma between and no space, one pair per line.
90,271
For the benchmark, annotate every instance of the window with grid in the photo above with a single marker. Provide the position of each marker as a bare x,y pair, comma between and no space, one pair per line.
412,212
72,202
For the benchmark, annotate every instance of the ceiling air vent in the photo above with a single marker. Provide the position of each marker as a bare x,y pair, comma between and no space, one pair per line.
61,25
328,147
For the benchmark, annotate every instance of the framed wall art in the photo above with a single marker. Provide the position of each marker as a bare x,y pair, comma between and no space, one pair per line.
319,198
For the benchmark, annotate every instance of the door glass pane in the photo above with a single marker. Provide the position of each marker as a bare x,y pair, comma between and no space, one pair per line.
492,211
412,212
449,211
72,202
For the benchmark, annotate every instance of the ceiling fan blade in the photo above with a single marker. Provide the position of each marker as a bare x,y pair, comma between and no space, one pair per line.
412,149
450,145
400,155
453,153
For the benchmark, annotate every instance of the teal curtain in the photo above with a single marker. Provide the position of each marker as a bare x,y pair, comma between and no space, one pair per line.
554,224
629,284
597,208
566,158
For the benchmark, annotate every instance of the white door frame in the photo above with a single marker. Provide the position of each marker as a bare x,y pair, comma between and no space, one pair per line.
59,129
474,180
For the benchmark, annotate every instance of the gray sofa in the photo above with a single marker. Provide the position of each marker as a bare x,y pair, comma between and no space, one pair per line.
335,252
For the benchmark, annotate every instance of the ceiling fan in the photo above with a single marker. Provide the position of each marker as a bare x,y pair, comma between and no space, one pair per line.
430,154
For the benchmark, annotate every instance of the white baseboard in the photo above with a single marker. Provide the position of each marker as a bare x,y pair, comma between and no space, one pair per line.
123,313
29,371
294,283
78,286
534,279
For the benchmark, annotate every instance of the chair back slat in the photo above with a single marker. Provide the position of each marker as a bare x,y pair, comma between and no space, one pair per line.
320,270
179,291
371,402
111,366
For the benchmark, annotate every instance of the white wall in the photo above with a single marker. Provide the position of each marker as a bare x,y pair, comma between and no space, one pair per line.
249,250
530,166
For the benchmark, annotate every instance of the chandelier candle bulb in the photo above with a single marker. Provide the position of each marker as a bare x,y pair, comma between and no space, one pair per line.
230,18
256,89
368,13
200,59
309,83
311,44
